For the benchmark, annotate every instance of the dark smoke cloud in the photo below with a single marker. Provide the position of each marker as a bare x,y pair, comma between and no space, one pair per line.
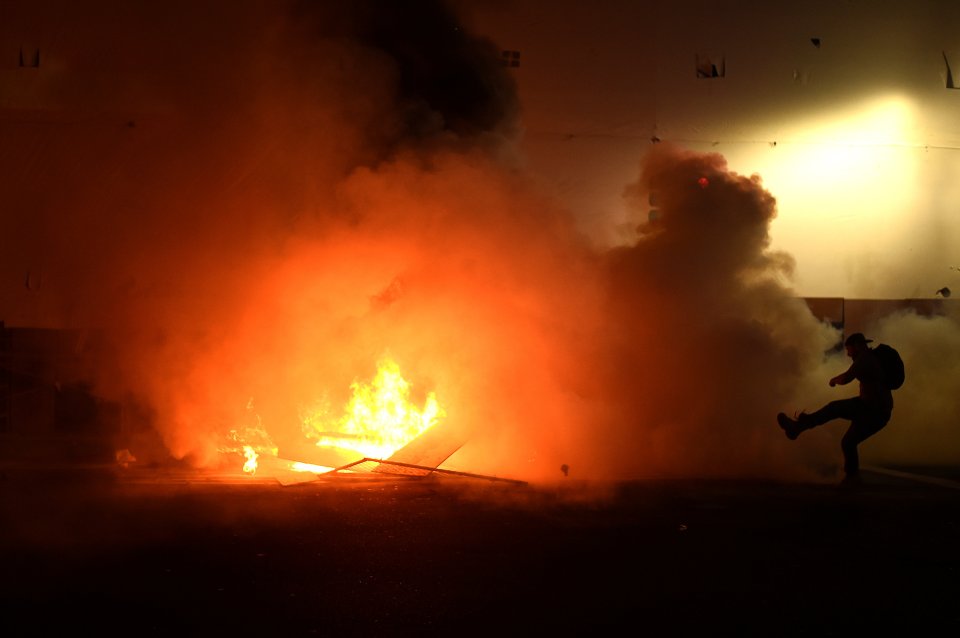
256,201
445,82
178,142
698,343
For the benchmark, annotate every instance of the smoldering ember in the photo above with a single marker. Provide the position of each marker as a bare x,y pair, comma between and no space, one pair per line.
466,317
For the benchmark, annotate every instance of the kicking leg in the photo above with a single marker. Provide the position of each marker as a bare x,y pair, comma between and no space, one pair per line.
849,409
842,409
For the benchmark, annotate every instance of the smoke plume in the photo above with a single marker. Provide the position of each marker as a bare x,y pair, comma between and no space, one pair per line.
257,201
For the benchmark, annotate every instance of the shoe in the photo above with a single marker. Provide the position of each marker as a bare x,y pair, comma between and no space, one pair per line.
790,427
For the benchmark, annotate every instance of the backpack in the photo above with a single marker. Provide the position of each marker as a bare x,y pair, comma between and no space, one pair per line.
891,364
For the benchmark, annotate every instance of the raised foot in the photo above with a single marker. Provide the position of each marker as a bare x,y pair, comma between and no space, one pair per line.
790,427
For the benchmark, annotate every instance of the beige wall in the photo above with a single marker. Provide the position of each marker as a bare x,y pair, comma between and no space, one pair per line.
857,139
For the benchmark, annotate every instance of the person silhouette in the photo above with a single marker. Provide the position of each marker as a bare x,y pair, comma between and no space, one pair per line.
868,412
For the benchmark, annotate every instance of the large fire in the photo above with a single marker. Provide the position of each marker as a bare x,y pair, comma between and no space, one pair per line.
377,421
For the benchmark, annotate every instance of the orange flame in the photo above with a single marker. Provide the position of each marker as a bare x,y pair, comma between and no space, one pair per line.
250,467
250,441
379,419
297,466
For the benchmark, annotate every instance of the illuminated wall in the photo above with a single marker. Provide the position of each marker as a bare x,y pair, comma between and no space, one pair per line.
845,110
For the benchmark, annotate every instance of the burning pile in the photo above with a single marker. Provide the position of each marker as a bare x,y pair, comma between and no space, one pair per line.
378,420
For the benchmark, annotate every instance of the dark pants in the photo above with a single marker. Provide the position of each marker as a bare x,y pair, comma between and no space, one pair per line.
865,421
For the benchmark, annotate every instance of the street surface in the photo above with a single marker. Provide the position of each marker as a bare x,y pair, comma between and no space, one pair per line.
140,552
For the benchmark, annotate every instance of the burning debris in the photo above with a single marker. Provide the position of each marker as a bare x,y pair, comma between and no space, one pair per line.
250,466
250,443
378,420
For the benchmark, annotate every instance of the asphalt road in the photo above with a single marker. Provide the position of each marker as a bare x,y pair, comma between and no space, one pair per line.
134,554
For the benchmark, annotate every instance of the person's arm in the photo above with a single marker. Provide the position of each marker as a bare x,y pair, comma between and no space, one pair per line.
844,377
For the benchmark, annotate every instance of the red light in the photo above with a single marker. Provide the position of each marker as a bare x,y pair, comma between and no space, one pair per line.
703,182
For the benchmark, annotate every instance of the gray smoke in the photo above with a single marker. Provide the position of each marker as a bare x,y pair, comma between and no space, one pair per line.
256,201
